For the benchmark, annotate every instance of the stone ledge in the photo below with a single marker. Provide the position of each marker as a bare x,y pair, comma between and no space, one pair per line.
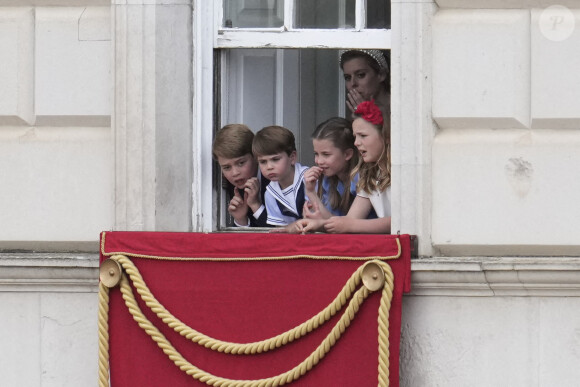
496,276
505,4
49,272
438,276
53,3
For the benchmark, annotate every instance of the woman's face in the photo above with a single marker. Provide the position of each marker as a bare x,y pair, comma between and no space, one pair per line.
367,140
360,76
331,159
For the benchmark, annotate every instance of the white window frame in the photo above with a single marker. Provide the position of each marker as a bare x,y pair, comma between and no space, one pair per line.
209,34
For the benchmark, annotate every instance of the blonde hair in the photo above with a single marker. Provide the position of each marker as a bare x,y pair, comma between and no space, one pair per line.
232,141
338,131
376,176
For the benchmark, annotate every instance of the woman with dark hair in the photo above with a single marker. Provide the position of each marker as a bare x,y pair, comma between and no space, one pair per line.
367,77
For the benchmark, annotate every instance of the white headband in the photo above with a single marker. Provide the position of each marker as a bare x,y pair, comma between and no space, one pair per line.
376,55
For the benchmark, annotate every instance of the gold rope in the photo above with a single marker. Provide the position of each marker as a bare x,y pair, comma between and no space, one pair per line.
264,345
203,376
103,335
238,348
384,308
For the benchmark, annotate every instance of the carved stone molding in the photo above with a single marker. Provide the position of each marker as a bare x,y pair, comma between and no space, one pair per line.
500,277
49,272
439,276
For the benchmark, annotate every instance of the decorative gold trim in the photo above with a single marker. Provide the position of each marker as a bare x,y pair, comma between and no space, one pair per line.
110,273
373,276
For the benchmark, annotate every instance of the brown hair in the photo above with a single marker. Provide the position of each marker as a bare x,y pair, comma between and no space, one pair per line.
338,130
377,175
378,60
273,139
231,141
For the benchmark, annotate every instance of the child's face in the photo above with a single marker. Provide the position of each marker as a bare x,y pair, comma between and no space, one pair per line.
363,78
331,159
239,169
367,140
278,167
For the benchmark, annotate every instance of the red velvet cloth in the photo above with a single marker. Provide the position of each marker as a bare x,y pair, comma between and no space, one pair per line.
273,289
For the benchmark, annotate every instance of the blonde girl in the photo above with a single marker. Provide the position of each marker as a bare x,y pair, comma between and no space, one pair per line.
372,138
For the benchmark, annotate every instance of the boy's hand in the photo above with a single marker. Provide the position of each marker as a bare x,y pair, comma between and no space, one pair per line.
337,225
238,208
252,193
311,210
311,176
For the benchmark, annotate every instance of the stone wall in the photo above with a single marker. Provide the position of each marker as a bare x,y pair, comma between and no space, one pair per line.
101,128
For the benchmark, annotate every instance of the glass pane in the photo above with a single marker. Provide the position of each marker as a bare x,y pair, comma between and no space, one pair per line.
253,13
300,88
325,13
297,89
294,88
378,14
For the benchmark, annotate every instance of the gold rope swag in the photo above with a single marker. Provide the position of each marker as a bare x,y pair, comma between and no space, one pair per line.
349,291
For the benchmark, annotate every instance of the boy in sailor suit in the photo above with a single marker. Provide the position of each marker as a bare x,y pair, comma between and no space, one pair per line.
275,149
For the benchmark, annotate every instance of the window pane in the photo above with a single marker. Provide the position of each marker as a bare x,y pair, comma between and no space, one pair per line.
253,13
294,88
297,89
325,13
378,14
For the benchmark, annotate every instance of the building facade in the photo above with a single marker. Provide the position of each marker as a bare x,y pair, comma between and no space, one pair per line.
107,114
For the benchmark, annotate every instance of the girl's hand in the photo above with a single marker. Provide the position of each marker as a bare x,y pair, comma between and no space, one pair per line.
353,98
311,176
238,208
252,193
311,210
337,225
303,226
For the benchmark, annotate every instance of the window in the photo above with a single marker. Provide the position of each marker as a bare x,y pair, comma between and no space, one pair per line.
276,62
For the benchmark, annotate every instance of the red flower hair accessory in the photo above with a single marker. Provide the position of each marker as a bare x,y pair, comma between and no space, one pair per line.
370,112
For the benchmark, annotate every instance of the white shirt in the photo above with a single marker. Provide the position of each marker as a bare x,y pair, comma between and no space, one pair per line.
381,201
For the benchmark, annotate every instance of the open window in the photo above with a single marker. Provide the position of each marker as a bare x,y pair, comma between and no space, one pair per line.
276,63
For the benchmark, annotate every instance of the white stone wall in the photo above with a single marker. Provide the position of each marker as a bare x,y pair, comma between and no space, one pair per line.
100,110
506,100
490,341
502,182
55,134
48,328
48,339
56,187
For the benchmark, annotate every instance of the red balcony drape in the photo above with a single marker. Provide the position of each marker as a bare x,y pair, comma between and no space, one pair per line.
245,287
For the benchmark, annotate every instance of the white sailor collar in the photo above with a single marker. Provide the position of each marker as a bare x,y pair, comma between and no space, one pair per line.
281,194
